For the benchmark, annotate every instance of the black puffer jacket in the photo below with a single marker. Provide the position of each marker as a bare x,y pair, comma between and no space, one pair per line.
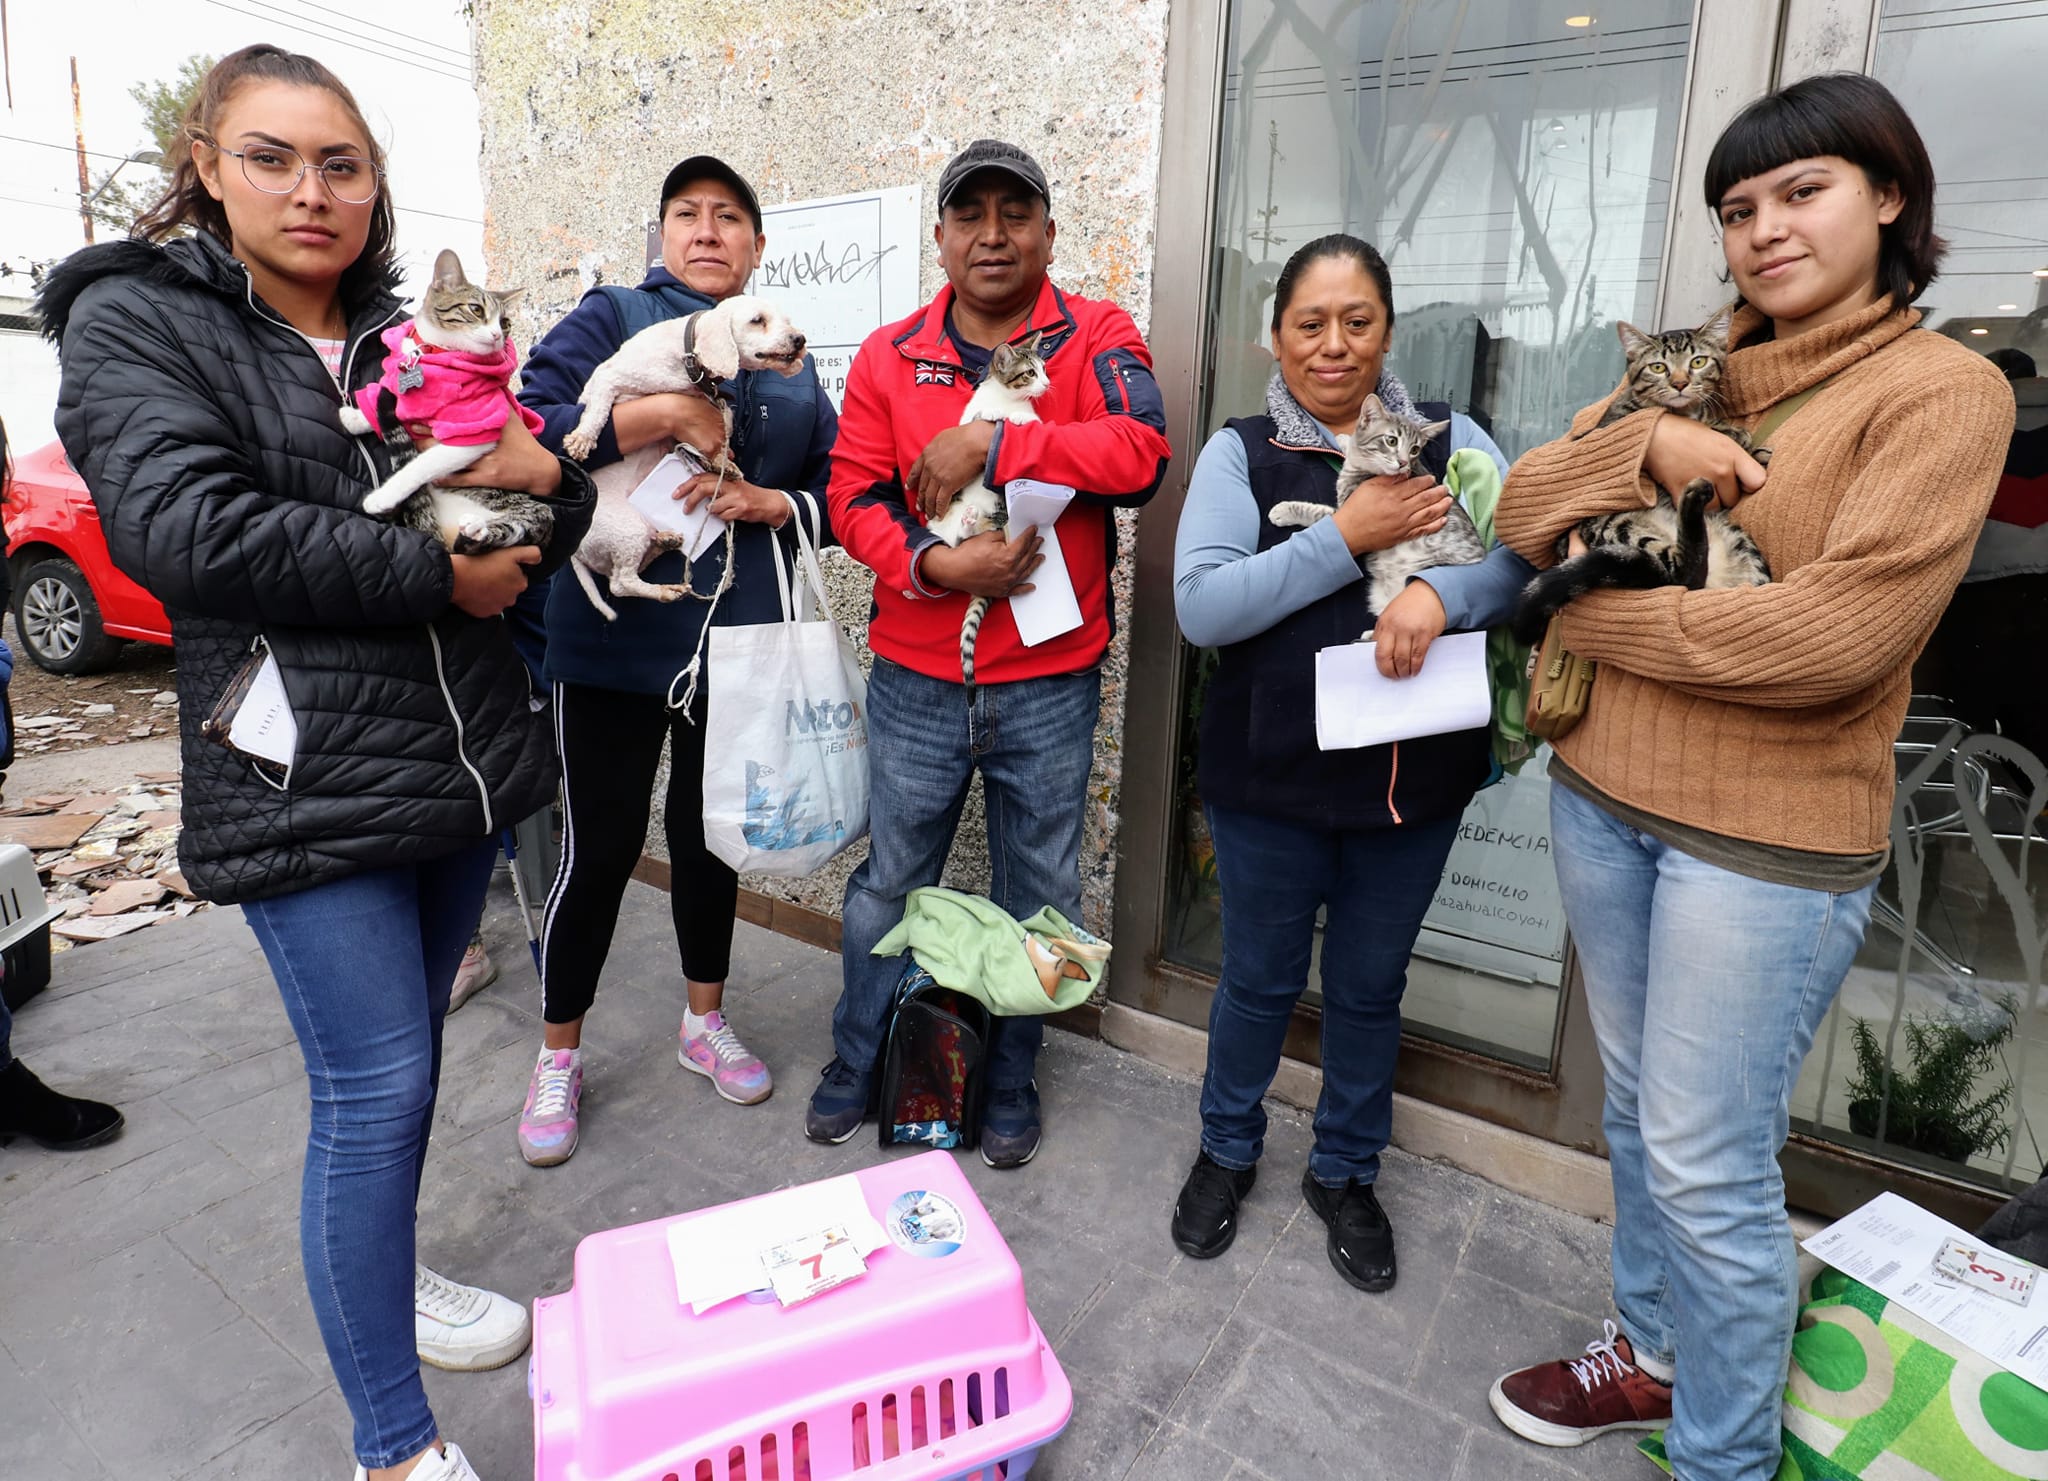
206,429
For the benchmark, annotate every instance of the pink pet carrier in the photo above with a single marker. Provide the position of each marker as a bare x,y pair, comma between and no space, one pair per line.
927,1368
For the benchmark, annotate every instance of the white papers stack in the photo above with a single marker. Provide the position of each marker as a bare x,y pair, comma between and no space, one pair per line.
717,1254
656,501
1890,1245
1050,608
264,724
1355,706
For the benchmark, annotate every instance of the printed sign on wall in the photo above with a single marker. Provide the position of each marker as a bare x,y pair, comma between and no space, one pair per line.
840,266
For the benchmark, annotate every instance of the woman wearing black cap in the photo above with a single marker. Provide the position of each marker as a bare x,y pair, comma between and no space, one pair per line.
612,681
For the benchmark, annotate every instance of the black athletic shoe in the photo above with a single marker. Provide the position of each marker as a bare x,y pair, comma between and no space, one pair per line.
838,1105
1361,1240
62,1123
1205,1214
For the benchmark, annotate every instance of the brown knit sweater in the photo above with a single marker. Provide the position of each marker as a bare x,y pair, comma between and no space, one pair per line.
1768,713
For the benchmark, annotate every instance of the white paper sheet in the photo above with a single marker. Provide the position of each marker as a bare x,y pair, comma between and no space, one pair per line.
1890,1244
656,501
717,1254
264,725
1050,608
1355,706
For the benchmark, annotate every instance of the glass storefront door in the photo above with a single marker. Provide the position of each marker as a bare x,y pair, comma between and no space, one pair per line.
1513,164
1933,1057
1516,165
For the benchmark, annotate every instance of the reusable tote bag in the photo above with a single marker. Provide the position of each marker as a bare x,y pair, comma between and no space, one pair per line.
786,733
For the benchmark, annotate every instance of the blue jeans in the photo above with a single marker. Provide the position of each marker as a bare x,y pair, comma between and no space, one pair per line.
365,965
1706,988
1375,885
1034,742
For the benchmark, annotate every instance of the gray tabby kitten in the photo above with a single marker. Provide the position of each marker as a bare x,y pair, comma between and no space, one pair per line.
1673,542
1016,377
1388,444
458,315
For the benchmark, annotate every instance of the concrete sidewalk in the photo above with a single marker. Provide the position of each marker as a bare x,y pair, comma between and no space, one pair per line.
154,1325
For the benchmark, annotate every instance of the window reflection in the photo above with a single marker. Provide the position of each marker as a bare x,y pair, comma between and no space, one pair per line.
1954,955
1515,172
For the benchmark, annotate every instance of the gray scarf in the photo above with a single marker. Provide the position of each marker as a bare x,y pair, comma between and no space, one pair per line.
1296,428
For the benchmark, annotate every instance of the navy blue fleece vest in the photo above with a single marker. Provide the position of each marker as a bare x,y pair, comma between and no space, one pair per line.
1258,729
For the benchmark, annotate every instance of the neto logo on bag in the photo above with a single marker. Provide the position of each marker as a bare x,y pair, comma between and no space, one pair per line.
805,718
835,725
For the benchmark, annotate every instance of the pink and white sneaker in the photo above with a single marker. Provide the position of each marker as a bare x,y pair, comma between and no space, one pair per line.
718,1054
547,1127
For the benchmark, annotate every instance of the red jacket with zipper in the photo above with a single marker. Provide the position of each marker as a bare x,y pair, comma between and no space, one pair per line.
1101,430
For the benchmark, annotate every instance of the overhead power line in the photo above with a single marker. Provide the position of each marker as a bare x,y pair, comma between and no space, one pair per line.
363,45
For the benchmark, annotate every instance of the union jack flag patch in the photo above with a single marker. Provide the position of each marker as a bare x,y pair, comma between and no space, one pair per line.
933,373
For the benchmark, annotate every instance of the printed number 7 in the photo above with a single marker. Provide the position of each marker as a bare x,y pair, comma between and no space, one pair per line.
1985,1270
817,1263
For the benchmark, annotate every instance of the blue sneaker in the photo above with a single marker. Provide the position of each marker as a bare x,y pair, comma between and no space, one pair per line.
838,1105
1010,1129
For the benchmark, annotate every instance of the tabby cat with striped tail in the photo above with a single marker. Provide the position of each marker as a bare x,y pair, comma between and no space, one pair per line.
1016,377
1674,542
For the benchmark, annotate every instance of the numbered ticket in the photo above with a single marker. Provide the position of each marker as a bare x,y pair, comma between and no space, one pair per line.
1986,1270
801,1268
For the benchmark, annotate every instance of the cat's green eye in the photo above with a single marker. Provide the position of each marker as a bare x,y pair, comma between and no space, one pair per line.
1658,367
1700,362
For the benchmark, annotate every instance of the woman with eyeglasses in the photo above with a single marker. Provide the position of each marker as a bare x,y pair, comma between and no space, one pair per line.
202,378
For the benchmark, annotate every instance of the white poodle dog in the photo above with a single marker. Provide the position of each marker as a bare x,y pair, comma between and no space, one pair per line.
691,354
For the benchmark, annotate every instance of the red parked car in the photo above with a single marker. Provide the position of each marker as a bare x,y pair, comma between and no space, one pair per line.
72,609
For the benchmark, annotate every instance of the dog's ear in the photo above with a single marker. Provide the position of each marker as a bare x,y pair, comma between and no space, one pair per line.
718,341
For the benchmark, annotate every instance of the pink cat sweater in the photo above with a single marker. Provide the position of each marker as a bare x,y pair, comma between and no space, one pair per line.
466,399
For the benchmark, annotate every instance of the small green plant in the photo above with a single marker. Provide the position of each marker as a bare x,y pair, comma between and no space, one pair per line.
1931,1108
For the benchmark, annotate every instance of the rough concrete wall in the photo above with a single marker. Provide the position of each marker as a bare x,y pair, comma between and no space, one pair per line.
585,106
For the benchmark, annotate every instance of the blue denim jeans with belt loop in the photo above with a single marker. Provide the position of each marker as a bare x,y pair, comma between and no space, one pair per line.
1706,989
1374,885
365,965
1033,741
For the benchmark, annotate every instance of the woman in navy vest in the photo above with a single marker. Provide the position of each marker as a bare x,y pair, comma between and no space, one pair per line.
1359,834
619,686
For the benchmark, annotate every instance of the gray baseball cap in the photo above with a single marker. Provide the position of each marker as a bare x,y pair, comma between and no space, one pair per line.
991,154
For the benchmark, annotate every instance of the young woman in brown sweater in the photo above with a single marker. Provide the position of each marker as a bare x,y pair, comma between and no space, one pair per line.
1721,815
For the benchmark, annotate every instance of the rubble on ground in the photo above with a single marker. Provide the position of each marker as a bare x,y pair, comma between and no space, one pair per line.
109,860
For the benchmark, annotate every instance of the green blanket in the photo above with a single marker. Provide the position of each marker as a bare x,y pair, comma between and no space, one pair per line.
973,945
1474,479
1877,1394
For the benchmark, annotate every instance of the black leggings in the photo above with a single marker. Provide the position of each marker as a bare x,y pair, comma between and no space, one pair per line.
611,745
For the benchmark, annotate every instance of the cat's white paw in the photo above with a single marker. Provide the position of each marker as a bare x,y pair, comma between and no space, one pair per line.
1297,514
353,421
579,444
382,503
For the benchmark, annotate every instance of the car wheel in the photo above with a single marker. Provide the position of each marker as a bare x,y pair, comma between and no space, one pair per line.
58,620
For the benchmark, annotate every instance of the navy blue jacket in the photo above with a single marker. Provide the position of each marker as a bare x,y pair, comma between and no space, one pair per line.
783,431
1258,731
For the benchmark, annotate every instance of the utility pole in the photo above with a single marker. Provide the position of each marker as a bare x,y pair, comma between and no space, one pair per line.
84,178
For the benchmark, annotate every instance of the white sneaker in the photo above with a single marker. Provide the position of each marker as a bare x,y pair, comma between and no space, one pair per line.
464,1329
450,1465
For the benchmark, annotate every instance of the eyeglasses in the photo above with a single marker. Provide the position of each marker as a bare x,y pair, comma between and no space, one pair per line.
275,170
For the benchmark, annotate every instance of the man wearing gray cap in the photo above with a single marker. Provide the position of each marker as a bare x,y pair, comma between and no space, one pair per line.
1028,724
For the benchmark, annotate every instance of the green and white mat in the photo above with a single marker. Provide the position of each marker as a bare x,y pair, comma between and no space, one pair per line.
1877,1394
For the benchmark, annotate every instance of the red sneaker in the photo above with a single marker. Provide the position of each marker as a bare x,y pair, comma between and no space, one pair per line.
1573,1400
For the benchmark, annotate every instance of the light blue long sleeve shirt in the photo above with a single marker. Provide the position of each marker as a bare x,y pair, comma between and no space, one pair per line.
1225,589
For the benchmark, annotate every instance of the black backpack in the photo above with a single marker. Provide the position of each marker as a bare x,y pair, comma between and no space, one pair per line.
934,1065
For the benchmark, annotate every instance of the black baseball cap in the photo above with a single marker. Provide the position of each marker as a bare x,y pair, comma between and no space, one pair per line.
710,167
992,154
